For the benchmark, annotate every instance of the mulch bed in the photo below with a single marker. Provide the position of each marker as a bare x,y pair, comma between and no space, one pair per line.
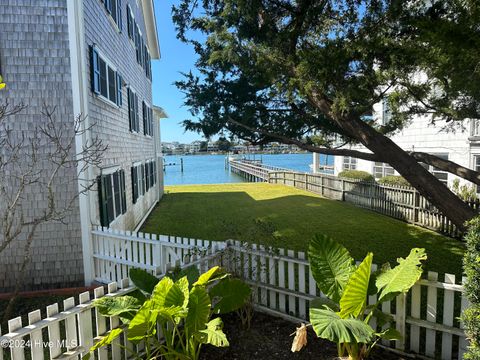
269,338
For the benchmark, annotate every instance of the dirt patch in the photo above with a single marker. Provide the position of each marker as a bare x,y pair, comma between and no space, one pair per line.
269,338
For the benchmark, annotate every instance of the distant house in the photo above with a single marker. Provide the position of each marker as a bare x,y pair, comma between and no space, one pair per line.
88,57
461,145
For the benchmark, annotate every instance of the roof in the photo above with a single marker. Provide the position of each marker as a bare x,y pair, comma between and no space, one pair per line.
151,28
159,112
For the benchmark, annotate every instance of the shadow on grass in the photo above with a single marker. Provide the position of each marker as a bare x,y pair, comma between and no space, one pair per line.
289,219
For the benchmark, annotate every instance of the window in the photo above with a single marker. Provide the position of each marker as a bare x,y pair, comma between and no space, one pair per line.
138,44
475,127
138,182
112,197
114,8
349,163
133,111
439,174
150,174
147,119
147,63
106,82
382,169
386,113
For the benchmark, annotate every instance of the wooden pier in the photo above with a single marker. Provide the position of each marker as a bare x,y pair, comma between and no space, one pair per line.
252,170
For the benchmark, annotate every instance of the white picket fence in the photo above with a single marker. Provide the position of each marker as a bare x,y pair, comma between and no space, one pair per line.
427,316
282,285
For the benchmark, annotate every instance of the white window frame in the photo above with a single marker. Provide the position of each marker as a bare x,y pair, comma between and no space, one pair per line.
109,172
475,127
351,164
386,170
110,65
476,167
434,171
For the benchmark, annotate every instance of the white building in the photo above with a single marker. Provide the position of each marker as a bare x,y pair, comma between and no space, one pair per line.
460,145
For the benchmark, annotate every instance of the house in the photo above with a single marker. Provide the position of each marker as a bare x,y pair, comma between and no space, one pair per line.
460,144
89,57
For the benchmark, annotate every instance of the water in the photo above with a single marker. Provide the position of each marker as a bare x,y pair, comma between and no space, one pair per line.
210,169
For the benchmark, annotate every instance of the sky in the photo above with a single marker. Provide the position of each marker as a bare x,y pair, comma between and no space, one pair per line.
176,57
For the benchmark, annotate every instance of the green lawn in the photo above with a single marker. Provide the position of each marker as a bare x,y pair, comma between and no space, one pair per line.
286,217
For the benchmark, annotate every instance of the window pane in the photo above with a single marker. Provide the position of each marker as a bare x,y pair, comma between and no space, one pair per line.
112,88
109,194
114,10
116,189
103,78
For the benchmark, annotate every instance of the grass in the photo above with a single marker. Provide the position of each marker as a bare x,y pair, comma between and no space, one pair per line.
286,217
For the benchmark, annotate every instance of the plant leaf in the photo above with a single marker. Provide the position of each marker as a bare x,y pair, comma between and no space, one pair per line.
391,282
390,334
213,334
215,273
105,340
123,306
321,302
198,310
167,294
143,324
331,266
232,294
143,280
354,295
190,272
329,325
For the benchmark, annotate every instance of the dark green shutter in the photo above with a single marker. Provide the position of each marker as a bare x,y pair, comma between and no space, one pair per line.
122,191
134,184
102,202
119,15
137,117
129,22
130,113
119,89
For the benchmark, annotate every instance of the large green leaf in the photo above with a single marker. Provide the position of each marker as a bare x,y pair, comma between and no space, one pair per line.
143,280
167,294
124,307
354,297
213,334
105,340
143,324
198,310
215,273
391,282
231,295
331,266
329,325
190,272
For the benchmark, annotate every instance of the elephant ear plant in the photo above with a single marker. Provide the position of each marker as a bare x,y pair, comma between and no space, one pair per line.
344,317
182,305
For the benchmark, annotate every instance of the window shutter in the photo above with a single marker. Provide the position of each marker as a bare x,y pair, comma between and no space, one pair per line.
122,191
102,202
155,172
144,113
130,113
129,22
142,179
152,175
119,15
108,5
137,117
134,184
151,122
95,70
119,89
147,177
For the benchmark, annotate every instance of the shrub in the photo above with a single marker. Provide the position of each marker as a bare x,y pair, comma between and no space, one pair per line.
464,192
356,174
394,180
344,317
182,305
471,266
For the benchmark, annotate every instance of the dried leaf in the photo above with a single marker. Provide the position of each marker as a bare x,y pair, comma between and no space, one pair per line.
300,339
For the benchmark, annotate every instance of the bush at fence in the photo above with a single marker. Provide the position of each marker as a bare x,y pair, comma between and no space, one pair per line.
394,180
183,297
356,174
471,265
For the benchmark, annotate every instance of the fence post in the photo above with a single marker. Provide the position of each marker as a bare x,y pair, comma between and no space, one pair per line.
416,204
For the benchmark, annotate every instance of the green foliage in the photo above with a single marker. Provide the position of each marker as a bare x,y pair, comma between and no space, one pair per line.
181,305
223,144
464,192
356,174
471,265
345,317
394,180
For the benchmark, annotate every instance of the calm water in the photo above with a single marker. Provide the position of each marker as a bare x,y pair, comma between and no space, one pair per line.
210,169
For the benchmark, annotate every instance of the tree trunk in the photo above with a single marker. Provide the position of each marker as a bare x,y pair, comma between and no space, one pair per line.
419,177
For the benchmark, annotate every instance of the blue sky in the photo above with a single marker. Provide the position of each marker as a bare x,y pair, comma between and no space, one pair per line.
176,57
